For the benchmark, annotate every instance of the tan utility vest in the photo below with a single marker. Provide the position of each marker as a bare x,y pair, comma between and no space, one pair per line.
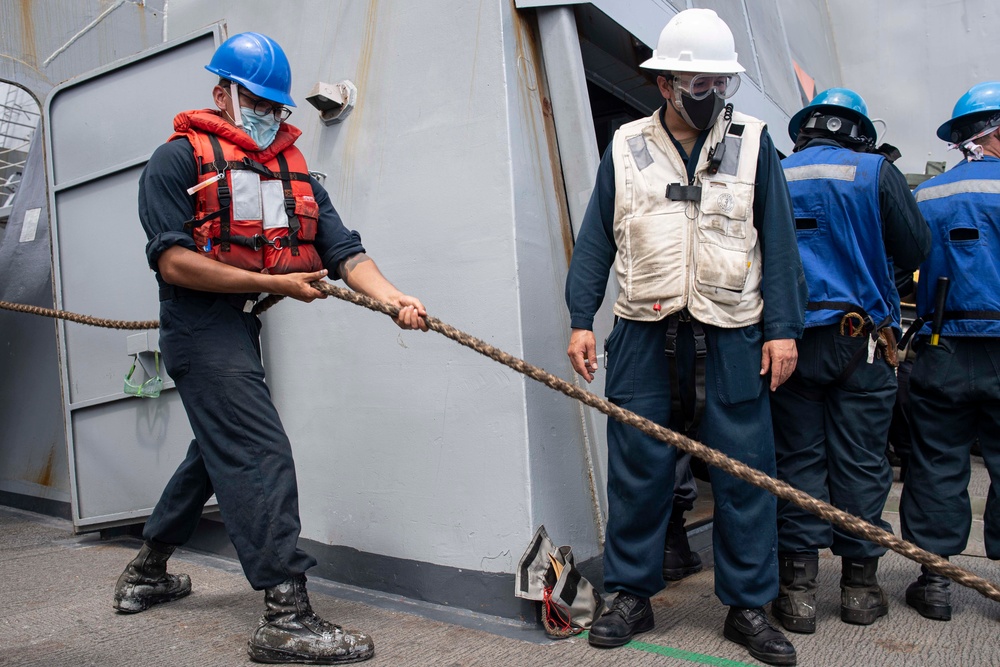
701,255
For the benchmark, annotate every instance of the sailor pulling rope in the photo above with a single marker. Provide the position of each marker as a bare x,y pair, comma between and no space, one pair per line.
710,456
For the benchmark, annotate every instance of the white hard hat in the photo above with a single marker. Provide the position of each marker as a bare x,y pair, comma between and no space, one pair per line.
695,40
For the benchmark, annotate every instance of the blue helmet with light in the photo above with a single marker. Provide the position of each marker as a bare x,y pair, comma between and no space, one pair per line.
826,112
977,110
257,63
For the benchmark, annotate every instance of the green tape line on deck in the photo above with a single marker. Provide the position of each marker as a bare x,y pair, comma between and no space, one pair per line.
699,658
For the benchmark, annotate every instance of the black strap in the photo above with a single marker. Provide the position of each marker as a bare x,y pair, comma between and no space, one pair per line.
678,192
948,315
972,315
910,331
693,414
225,195
852,365
258,241
293,220
252,165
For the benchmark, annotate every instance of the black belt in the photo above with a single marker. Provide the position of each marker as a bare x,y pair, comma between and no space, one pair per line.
238,301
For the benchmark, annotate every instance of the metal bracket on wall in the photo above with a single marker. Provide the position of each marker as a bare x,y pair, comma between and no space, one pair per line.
335,101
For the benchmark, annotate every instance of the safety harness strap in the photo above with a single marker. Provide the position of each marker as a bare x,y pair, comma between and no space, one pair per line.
693,413
293,221
224,194
247,164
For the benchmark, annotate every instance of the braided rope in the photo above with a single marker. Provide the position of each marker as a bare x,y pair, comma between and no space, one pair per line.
708,455
731,466
80,319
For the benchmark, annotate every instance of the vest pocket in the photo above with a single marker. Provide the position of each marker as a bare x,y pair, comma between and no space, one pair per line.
307,211
725,241
654,258
721,273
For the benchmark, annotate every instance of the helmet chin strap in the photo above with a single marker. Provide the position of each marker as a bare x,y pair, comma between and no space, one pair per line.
234,95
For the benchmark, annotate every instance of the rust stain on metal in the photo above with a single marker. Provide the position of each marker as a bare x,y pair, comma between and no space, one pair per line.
45,477
29,49
532,78
361,78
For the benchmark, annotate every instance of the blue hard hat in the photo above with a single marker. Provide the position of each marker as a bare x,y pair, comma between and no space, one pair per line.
832,100
980,99
257,63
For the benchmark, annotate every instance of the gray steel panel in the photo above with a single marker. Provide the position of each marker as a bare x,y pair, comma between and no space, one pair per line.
103,273
777,74
102,128
732,12
125,453
810,40
90,123
51,41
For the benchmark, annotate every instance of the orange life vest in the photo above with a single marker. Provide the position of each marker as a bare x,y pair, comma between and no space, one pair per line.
259,213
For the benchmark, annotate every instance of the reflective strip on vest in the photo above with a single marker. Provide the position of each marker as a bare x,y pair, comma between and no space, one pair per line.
809,172
842,250
965,197
987,187
640,153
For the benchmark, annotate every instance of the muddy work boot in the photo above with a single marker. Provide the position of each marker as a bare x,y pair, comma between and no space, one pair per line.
795,606
289,631
930,595
678,559
862,600
145,581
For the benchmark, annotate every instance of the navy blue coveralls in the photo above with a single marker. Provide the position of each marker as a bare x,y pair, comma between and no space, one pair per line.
211,349
736,421
855,219
955,385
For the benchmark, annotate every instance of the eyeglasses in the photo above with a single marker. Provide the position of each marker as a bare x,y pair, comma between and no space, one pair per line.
701,86
262,108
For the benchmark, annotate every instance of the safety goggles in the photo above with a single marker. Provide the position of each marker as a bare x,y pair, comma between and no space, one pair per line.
700,86
151,388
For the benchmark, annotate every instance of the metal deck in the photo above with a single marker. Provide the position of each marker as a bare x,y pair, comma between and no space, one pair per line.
55,609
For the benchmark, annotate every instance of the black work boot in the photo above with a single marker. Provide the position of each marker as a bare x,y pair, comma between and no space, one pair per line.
930,594
289,631
862,600
678,559
145,581
795,606
629,615
765,642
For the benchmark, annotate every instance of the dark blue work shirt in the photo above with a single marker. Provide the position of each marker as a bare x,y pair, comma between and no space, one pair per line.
783,287
165,205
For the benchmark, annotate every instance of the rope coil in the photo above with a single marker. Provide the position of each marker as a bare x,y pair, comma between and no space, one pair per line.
710,456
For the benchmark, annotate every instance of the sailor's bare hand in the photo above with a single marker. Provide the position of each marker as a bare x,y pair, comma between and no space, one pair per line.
582,353
412,314
296,285
779,357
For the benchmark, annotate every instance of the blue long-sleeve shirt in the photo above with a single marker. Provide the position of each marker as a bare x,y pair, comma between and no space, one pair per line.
783,287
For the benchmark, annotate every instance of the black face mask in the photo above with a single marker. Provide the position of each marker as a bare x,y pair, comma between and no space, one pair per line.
700,114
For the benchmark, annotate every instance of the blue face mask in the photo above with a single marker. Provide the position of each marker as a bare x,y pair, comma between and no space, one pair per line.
262,129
